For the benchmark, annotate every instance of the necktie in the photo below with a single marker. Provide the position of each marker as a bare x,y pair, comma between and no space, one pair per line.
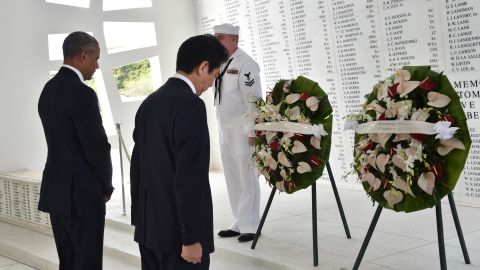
218,82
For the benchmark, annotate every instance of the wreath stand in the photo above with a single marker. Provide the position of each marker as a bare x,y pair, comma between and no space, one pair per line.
314,215
441,244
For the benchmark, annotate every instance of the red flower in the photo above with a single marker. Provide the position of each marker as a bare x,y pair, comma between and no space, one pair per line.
419,137
392,90
382,117
368,147
298,136
437,170
449,118
274,145
428,85
315,160
304,96
393,151
258,133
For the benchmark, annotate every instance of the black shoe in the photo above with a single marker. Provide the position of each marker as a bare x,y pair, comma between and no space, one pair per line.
245,237
228,233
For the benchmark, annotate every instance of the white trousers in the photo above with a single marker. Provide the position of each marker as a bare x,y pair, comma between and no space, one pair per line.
241,178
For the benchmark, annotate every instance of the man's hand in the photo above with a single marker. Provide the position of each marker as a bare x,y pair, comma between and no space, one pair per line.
192,253
251,141
107,198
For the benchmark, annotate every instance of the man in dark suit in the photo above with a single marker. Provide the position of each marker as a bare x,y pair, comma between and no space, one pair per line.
171,198
77,179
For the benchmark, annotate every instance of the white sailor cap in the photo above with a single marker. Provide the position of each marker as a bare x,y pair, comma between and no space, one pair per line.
226,28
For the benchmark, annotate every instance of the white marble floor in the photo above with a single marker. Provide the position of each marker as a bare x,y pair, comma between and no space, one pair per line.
8,264
400,241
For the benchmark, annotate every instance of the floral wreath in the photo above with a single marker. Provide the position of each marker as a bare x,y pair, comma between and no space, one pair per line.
411,140
292,141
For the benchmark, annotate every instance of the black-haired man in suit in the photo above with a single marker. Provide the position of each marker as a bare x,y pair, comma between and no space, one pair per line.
171,197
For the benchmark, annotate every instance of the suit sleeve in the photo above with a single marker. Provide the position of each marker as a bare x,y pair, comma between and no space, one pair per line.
134,178
92,137
250,88
192,158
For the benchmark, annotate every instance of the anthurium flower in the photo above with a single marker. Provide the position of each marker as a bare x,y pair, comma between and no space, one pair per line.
402,185
437,100
303,167
449,145
375,106
428,85
449,118
283,174
420,115
401,137
304,96
269,99
312,103
270,135
370,178
399,162
293,113
426,182
380,138
315,160
383,89
371,159
403,109
292,98
280,186
264,172
402,75
405,87
282,158
286,87
315,142
381,161
298,147
393,197
272,164
437,170
274,145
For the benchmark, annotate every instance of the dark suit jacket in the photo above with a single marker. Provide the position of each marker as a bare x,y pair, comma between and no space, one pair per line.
78,171
171,198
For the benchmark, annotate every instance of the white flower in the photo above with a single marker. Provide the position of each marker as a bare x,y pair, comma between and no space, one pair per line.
312,103
426,182
381,161
318,131
282,158
303,167
403,109
374,182
383,89
401,137
293,113
315,142
280,186
449,145
415,151
286,87
437,100
402,185
420,115
374,106
405,86
380,138
292,98
298,147
444,130
393,197
402,75
400,162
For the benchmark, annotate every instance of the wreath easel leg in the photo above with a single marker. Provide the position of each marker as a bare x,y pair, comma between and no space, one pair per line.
458,227
441,241
314,224
264,216
339,203
367,237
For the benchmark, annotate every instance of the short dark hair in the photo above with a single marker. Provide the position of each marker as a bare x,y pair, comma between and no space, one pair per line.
78,42
197,49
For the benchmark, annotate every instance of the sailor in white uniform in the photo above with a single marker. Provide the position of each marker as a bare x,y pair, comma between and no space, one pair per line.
236,86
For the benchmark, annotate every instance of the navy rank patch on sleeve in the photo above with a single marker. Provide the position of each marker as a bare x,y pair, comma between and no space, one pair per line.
249,81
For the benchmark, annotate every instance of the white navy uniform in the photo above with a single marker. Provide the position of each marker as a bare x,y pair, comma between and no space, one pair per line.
239,85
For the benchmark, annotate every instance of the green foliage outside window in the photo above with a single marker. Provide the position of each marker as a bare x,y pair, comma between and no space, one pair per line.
134,80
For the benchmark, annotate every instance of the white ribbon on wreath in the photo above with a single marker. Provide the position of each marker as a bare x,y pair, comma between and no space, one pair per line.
292,127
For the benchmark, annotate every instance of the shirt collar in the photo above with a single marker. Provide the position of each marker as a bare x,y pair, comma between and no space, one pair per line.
76,71
187,80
